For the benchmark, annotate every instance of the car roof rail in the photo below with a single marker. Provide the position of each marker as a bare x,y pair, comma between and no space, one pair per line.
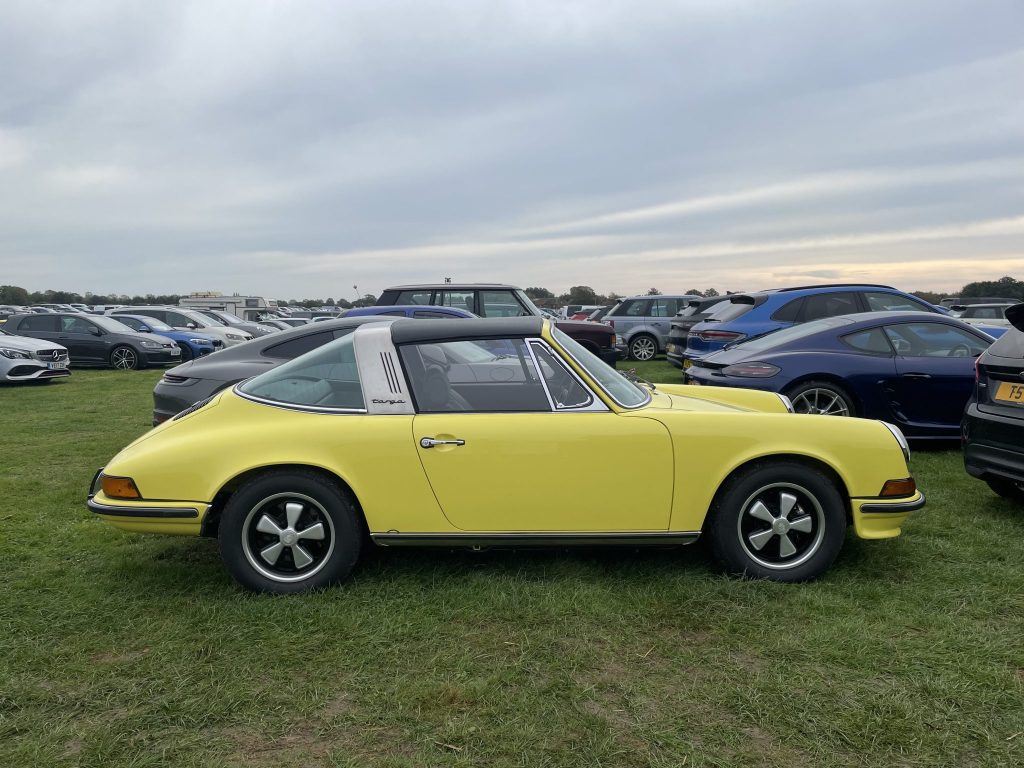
836,285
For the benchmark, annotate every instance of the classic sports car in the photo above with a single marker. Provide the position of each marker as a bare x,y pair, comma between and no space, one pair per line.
402,432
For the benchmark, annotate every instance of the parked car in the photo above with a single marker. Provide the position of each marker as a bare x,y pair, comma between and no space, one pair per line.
598,315
993,424
234,321
748,315
279,323
498,300
697,310
187,320
949,301
910,369
97,340
641,323
983,314
400,430
192,343
23,358
586,310
414,311
189,383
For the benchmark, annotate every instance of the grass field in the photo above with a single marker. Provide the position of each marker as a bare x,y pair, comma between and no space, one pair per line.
124,650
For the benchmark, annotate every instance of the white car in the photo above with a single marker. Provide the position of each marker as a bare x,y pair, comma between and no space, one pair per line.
25,359
984,314
187,320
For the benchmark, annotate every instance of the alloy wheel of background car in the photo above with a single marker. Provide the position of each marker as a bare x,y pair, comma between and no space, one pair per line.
289,532
643,348
821,398
782,521
124,358
1008,489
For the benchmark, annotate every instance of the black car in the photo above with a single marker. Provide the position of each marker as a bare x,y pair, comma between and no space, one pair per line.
191,382
993,424
97,340
696,311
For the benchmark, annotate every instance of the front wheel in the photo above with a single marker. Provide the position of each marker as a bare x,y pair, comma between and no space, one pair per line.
643,348
286,532
781,521
1008,489
186,352
124,358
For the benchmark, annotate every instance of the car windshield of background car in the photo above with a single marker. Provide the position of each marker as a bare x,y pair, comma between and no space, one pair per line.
112,325
326,378
793,333
617,386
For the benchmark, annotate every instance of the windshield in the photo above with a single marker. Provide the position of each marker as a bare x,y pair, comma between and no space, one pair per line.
620,389
786,335
112,325
156,325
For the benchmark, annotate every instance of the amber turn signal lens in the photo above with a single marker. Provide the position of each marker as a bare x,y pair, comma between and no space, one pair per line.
120,488
904,487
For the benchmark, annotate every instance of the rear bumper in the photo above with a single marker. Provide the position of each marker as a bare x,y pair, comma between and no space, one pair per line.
993,445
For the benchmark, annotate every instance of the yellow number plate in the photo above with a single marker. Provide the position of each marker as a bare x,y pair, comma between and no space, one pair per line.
687,364
1010,393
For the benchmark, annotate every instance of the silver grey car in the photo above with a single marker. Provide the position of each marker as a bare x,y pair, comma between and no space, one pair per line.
27,359
642,323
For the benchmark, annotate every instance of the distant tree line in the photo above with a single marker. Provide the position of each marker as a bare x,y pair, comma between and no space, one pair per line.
1007,287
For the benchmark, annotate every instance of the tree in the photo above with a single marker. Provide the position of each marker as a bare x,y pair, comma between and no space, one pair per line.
653,292
711,292
582,294
13,294
539,293
330,302
368,300
1004,287
694,292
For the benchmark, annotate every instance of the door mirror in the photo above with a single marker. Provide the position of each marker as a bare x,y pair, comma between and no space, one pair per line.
191,326
95,331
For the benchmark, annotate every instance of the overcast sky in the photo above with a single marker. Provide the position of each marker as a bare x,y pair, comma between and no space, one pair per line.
296,149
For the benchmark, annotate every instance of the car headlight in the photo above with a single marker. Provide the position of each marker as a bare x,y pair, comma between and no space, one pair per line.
14,354
899,439
751,370
199,341
235,337
152,344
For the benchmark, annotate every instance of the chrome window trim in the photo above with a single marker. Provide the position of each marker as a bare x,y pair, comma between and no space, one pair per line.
293,406
647,393
594,403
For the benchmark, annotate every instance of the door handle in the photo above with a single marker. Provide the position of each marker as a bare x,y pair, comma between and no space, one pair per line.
429,442
916,376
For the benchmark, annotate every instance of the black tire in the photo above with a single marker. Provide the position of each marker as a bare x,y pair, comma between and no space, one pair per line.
1008,489
643,347
186,352
125,358
823,397
309,517
745,540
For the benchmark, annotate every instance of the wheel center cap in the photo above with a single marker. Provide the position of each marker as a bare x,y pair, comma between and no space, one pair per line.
781,525
289,537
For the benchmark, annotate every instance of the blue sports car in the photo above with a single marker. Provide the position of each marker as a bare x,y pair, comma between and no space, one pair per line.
912,369
192,344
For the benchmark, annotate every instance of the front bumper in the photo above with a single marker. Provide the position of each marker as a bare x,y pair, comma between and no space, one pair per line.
162,356
180,518
883,518
32,370
611,355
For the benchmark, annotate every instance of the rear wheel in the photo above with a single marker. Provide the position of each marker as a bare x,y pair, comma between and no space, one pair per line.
781,521
643,347
124,358
823,398
289,531
1008,489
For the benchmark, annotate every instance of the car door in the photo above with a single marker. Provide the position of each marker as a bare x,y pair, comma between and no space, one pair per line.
935,371
661,312
505,452
632,316
83,339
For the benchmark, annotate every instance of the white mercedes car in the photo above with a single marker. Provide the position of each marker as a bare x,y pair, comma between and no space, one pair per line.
25,359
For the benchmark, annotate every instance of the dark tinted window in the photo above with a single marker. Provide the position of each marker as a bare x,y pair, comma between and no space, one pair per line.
933,340
1010,344
788,313
872,340
729,310
292,348
879,301
829,305
413,297
479,376
180,321
395,313
636,309
426,314
40,323
131,322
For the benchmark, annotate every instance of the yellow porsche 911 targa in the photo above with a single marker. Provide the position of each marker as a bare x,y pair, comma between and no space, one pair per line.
501,432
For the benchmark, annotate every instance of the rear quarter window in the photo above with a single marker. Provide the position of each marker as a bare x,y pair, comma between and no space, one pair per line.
292,348
728,310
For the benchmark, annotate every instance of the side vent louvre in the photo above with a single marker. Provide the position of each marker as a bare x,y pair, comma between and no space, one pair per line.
394,382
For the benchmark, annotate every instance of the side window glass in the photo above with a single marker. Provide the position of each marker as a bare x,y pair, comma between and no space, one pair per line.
326,379
479,376
663,308
300,345
933,340
426,314
637,309
788,313
872,340
565,390
414,297
891,302
176,321
460,299
500,304
131,322
40,323
75,325
829,305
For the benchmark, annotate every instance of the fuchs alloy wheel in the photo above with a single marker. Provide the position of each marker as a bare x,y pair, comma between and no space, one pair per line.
288,532
643,347
124,358
781,520
822,397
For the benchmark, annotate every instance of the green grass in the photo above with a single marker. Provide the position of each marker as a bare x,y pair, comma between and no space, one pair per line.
126,650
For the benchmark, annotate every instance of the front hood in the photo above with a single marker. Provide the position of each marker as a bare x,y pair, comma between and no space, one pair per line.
226,369
685,397
27,344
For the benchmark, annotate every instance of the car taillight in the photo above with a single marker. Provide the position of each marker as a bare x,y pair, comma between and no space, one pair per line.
751,370
610,322
977,370
718,335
